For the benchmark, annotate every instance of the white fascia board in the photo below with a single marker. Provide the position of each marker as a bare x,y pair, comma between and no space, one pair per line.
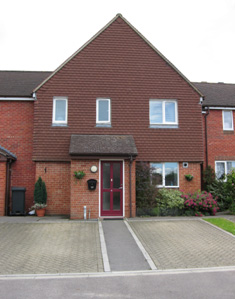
222,108
16,99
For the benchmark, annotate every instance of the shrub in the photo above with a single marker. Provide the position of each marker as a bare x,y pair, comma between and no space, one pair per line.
218,190
170,202
40,192
200,203
145,191
208,177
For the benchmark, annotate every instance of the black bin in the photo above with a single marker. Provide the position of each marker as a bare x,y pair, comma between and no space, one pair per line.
92,184
18,200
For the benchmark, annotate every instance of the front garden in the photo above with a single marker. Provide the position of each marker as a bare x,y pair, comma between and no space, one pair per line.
219,195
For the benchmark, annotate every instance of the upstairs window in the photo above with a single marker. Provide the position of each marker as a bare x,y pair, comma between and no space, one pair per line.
163,112
103,111
227,120
60,111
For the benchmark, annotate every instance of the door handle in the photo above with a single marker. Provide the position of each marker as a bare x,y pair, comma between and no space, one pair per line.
120,187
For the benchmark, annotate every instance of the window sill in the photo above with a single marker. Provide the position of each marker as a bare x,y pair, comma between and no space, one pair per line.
228,132
103,126
59,125
167,187
163,126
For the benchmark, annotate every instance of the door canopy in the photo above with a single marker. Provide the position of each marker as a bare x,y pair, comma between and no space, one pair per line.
103,145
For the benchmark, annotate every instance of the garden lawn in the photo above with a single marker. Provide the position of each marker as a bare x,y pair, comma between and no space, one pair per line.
222,223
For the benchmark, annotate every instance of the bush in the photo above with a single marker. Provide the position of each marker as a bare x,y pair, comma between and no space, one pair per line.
218,190
170,202
200,203
208,177
40,192
145,191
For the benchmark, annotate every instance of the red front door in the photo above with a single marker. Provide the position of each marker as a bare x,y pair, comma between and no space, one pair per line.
111,188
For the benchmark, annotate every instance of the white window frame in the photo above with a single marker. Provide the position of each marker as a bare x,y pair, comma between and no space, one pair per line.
60,122
163,112
225,129
97,111
163,175
225,167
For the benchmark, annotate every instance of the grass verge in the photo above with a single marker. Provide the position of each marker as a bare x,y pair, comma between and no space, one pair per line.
222,223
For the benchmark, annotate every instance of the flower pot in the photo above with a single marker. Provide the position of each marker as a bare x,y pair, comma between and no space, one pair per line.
41,212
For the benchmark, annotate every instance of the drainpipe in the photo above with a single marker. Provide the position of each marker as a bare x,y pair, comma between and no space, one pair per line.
130,166
8,181
207,113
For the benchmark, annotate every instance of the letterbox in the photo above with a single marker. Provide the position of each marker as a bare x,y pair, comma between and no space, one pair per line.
92,184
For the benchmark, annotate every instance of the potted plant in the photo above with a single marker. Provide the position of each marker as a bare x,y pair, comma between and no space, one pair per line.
189,177
40,197
79,174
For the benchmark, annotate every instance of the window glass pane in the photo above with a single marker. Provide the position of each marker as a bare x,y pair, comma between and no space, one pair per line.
157,174
155,112
106,175
170,112
116,175
171,174
116,201
60,110
230,165
103,110
220,170
106,201
228,120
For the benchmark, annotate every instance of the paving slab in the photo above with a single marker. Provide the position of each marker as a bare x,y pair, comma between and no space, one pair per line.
29,248
123,252
185,244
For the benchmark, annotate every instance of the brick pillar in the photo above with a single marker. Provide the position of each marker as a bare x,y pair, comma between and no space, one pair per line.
2,187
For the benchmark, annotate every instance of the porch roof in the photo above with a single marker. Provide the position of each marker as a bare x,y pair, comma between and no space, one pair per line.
6,154
102,145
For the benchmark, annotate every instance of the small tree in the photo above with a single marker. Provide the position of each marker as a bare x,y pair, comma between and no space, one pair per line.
40,192
208,177
145,191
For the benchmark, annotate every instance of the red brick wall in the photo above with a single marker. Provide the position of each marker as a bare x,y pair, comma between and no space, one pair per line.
56,176
220,143
2,187
194,185
16,135
119,65
81,196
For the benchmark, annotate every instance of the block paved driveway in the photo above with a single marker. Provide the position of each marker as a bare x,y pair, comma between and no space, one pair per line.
28,248
181,244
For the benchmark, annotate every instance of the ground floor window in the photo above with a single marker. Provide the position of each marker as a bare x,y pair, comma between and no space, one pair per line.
165,174
223,167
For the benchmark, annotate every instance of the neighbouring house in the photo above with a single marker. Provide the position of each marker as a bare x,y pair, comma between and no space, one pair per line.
115,102
218,111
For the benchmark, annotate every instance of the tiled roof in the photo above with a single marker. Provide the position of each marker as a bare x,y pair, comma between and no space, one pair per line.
111,145
20,83
217,94
7,153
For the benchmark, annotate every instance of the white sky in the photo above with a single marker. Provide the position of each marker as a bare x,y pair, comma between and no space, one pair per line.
198,36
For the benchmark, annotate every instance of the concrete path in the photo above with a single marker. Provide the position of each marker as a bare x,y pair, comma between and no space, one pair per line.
123,252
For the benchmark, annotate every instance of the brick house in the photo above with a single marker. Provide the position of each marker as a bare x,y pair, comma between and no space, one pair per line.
218,120
115,102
